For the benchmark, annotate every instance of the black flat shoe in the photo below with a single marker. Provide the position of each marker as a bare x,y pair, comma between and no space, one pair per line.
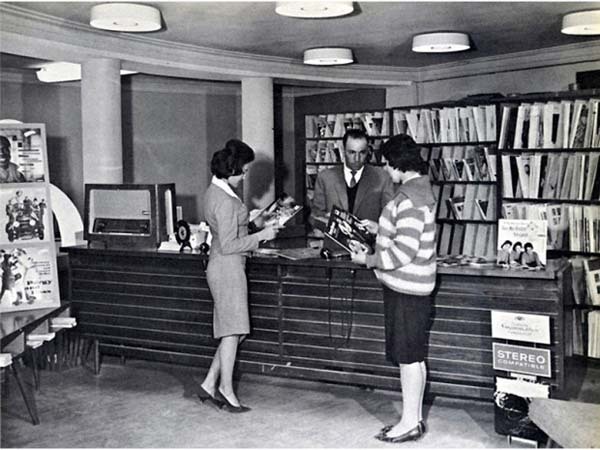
204,396
387,428
228,406
411,435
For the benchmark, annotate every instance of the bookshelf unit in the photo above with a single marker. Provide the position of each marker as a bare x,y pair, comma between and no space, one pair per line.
323,146
459,143
549,146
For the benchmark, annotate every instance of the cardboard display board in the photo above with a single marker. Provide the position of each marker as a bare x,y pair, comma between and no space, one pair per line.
28,269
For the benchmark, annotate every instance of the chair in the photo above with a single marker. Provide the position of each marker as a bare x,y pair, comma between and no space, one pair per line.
570,424
6,361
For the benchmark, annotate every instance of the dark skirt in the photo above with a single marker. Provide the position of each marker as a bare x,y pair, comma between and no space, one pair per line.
407,319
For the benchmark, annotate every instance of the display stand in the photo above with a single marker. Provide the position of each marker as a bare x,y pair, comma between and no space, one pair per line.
27,249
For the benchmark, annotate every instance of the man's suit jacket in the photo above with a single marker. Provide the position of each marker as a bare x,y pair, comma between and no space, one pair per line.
375,190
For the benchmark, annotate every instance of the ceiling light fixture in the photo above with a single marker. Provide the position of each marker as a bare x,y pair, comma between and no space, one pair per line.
55,72
583,22
314,9
440,42
128,17
328,56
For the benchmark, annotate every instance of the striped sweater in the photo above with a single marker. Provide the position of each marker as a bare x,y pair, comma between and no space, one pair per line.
405,258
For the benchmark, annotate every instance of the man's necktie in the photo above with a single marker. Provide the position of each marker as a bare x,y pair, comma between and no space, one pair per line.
353,179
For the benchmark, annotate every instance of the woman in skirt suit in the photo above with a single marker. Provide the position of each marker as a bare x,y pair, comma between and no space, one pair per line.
228,220
405,263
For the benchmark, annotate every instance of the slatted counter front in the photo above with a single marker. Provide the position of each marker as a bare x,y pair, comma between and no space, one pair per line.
310,319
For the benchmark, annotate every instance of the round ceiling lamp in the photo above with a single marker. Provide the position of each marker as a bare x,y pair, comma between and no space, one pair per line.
314,9
127,17
583,22
440,42
328,56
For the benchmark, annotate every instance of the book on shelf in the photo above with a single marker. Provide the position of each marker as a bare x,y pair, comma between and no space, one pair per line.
592,277
344,227
508,126
491,133
278,213
531,234
482,208
593,334
457,206
550,124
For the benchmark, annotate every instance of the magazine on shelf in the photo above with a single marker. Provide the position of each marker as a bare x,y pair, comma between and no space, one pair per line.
532,237
277,213
592,275
344,227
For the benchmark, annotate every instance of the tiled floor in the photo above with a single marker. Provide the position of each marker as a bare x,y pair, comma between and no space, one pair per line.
144,404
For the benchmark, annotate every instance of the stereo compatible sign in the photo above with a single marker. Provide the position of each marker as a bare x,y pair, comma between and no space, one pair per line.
527,360
521,327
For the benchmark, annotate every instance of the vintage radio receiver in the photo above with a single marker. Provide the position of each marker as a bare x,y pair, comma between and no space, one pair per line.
129,215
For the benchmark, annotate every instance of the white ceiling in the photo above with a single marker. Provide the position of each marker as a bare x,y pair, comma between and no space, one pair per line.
380,33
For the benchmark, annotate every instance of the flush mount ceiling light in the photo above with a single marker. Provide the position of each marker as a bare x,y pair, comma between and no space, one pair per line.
583,22
128,17
314,9
440,42
328,56
63,71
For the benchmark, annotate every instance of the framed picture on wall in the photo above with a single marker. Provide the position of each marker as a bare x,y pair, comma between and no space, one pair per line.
28,267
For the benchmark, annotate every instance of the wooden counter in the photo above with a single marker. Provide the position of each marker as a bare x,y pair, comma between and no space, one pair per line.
310,319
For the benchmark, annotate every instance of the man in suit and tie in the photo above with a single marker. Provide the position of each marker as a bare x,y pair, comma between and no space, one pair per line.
362,189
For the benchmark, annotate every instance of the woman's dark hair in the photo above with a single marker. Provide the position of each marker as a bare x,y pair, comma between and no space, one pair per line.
403,153
528,245
517,244
230,160
506,242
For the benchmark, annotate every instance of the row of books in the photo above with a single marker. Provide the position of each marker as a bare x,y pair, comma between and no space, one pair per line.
467,163
570,227
477,240
336,125
553,124
325,152
447,124
567,176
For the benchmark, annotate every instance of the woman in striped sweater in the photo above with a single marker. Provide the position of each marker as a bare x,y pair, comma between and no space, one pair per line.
405,262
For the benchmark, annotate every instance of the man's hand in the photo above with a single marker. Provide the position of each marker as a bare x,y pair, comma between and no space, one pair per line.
371,226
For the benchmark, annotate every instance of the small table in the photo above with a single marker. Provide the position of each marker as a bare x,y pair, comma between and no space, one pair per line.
14,328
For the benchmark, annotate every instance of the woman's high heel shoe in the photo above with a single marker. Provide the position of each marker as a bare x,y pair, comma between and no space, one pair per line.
204,396
227,405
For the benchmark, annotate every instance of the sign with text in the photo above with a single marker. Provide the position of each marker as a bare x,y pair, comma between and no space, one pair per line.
516,358
521,327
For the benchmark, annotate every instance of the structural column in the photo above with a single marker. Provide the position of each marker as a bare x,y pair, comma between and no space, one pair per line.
257,132
101,121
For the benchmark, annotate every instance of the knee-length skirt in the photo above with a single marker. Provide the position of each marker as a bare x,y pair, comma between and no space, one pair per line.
228,286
